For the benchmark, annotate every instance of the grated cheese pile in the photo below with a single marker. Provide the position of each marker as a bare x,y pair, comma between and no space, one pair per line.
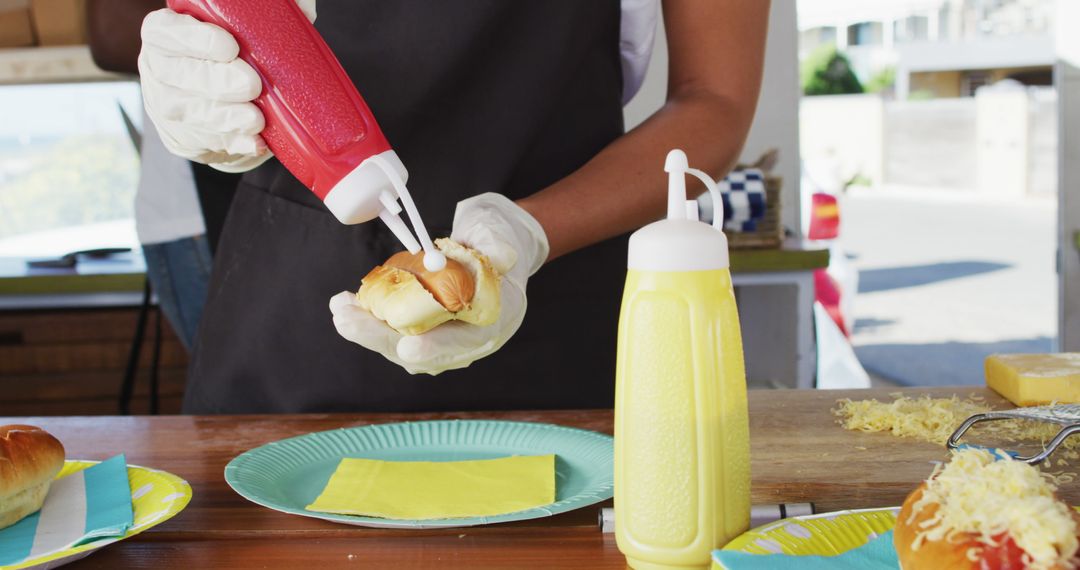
925,418
985,495
935,419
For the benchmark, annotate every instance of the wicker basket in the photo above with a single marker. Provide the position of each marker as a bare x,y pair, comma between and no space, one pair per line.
770,231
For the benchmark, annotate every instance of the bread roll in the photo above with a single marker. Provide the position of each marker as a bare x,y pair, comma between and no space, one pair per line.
413,300
29,460
942,554
949,529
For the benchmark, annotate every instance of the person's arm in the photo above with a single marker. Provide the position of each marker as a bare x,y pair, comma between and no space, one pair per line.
113,29
715,51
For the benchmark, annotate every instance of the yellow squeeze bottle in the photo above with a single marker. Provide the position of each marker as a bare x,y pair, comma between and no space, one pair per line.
682,442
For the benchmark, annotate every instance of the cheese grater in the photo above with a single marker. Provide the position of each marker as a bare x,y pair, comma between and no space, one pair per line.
1066,415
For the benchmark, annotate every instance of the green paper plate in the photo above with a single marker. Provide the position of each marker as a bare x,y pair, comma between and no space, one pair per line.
287,475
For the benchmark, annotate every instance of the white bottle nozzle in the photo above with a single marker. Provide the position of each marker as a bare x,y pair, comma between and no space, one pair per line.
401,231
389,202
714,191
434,260
692,210
681,242
676,166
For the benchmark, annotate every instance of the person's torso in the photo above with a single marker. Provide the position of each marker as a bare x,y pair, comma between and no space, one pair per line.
475,96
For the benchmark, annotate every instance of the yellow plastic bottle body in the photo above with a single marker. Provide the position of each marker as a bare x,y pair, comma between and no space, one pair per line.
682,442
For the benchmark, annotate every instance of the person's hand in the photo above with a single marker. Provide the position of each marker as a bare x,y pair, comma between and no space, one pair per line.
515,244
198,92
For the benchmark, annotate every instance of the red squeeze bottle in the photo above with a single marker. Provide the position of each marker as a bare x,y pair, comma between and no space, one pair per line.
317,124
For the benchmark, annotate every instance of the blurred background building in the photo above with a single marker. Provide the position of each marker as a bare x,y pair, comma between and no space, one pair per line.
935,48
938,121
958,93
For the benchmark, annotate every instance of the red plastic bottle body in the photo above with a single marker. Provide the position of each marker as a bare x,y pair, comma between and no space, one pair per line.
317,124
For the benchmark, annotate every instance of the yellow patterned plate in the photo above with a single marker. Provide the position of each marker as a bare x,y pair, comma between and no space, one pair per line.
155,495
825,534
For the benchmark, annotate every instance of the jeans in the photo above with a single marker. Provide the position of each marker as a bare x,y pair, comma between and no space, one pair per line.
179,271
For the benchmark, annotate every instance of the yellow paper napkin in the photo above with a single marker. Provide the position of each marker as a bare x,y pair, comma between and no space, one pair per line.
420,490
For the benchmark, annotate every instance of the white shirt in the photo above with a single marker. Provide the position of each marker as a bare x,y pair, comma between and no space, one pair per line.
637,31
166,203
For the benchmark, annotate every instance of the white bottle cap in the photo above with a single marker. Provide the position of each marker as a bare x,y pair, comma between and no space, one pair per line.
372,190
681,242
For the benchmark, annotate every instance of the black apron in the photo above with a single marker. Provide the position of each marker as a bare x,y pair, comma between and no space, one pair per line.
216,190
475,96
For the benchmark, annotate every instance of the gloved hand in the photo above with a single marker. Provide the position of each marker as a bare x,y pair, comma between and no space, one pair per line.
515,244
198,92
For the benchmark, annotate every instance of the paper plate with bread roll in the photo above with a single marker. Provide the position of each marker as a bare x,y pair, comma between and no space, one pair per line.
982,510
54,510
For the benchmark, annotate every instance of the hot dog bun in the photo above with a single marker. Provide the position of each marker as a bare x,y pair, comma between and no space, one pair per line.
29,460
931,554
413,300
452,286
985,512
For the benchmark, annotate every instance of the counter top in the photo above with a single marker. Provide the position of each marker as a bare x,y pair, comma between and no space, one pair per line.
118,280
117,273
798,454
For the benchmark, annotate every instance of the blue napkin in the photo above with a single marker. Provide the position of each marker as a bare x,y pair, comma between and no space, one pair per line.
878,554
85,506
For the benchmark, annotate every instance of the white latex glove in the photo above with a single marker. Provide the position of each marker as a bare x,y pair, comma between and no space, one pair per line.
198,92
515,244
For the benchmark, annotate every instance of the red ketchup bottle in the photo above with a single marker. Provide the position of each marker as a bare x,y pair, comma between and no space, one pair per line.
317,124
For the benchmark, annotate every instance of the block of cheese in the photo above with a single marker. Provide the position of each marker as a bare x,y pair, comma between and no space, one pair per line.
1035,379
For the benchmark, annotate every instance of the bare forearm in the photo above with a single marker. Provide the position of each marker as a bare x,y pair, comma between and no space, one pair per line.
715,54
623,187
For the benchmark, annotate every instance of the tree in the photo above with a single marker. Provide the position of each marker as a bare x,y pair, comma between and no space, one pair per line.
828,72
73,181
883,80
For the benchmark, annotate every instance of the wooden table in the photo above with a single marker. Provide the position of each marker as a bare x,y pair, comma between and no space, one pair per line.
799,454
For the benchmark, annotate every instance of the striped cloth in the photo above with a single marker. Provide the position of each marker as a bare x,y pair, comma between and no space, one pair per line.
743,192
82,507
